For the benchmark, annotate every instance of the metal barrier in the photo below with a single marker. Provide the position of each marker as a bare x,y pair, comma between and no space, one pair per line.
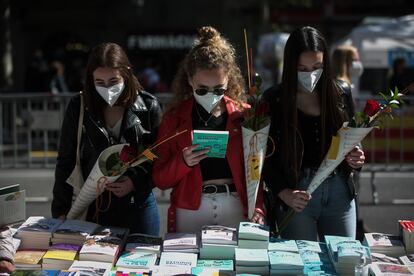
30,125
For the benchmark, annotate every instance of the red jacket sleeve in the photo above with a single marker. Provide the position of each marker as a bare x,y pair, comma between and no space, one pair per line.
170,167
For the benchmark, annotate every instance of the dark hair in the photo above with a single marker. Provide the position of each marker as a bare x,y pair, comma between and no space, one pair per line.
210,51
303,40
109,55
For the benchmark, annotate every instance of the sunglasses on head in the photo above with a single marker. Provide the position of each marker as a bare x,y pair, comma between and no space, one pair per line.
204,91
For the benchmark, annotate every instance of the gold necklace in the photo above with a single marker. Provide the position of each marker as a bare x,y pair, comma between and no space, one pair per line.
201,118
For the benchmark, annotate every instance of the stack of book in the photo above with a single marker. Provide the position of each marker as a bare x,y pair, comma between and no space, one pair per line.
253,235
141,252
407,260
181,242
282,245
285,263
89,268
60,256
73,232
178,259
407,233
315,258
36,232
104,245
218,242
252,261
143,243
29,259
345,253
387,244
387,269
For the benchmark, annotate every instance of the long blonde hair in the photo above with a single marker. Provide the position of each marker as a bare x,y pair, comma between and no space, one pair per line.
341,62
210,51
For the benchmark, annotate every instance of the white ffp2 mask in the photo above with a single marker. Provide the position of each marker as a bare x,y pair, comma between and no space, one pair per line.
308,80
111,94
208,101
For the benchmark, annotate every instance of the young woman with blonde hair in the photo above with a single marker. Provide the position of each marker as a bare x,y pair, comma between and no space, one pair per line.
209,92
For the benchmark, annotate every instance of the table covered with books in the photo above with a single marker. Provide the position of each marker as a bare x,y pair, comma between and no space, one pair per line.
74,247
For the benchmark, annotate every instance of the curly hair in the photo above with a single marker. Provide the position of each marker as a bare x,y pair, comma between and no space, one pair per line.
210,51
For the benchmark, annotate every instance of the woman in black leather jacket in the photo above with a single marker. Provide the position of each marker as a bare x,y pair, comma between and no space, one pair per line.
116,111
308,108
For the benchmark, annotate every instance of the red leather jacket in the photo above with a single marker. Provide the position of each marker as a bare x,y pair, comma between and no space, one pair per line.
171,171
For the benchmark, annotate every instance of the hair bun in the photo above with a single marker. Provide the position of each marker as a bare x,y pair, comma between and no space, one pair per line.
207,33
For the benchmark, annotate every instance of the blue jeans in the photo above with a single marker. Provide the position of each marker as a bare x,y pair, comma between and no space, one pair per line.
148,218
331,211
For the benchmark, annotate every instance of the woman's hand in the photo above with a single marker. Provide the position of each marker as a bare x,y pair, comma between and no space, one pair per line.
121,187
295,199
355,158
258,218
191,157
6,267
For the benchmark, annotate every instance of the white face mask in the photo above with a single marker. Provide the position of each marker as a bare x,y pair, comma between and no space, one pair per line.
308,80
208,101
111,94
356,69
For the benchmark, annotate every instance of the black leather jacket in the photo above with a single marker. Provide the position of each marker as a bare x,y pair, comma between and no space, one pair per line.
139,127
275,175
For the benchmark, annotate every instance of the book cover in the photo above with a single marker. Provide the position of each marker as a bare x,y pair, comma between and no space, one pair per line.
251,257
205,271
66,255
382,258
39,224
178,259
180,241
215,140
378,269
35,273
114,235
91,268
137,260
282,245
76,227
253,231
285,259
407,260
218,234
311,246
29,256
217,264
382,240
313,258
141,242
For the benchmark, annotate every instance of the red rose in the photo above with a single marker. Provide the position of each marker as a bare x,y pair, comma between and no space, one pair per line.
127,153
371,108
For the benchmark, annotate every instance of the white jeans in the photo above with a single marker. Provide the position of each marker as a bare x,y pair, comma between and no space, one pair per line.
215,209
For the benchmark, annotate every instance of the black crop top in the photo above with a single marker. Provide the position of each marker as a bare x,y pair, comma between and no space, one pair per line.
310,131
211,168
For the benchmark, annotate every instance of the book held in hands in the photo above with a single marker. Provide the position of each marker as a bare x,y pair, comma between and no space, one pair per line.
216,141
